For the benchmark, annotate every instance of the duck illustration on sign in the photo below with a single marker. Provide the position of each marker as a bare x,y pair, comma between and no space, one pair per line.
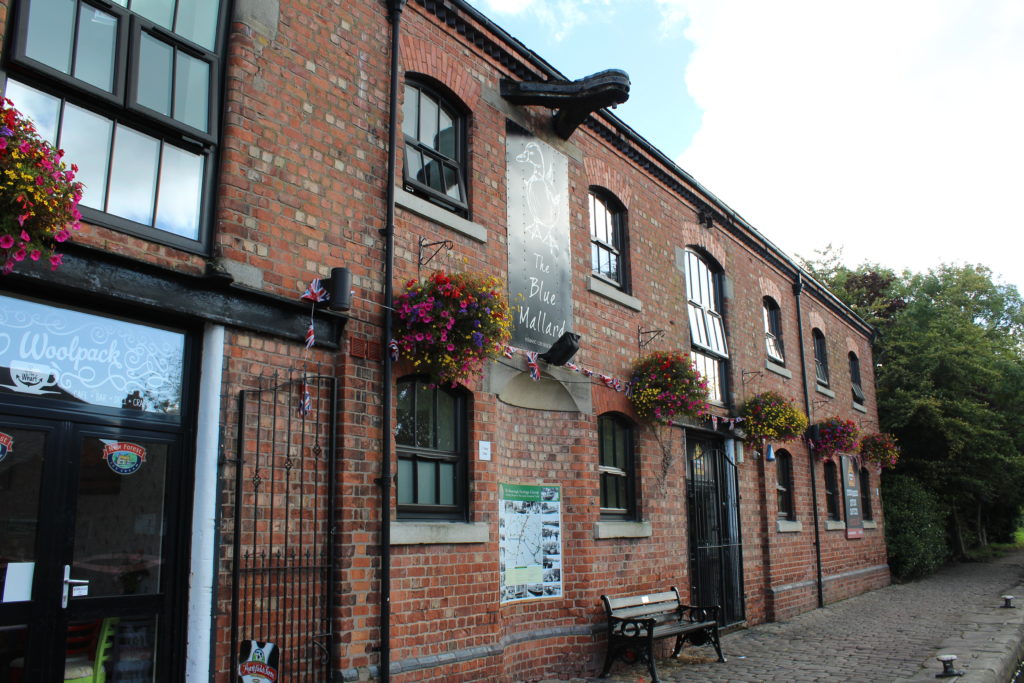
543,201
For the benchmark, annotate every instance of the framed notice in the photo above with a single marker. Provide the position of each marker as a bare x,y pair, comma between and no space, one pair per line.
530,541
851,492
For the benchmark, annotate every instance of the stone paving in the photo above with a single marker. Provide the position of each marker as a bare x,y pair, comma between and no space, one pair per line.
892,634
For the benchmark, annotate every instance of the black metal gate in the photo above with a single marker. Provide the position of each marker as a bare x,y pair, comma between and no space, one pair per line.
283,577
716,557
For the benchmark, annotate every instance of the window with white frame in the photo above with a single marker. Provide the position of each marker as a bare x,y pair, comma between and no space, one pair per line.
615,443
607,238
435,146
855,386
832,500
820,357
707,329
773,330
784,485
130,90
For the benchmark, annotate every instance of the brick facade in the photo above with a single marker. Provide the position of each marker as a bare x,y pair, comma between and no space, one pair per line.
302,187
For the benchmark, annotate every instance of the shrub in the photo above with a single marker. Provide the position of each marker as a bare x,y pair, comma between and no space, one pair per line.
914,528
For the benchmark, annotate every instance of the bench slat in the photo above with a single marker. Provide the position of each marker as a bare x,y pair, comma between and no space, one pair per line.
636,600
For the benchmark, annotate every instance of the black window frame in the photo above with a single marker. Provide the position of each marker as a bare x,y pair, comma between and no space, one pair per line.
610,473
446,102
120,108
708,335
786,503
820,357
856,388
774,347
616,225
458,456
833,503
865,495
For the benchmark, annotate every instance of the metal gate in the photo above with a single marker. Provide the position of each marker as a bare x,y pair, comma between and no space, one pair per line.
716,557
283,577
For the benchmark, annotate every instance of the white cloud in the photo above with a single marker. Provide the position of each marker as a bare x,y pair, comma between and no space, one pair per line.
558,17
894,129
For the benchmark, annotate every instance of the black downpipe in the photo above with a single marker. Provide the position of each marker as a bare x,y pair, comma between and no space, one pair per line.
798,288
394,16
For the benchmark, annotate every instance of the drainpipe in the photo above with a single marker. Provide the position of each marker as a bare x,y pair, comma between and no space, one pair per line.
388,231
798,288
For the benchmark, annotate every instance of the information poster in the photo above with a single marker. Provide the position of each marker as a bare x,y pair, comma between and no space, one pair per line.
539,277
530,533
851,491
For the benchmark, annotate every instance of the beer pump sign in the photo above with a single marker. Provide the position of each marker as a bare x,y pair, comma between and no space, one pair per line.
538,241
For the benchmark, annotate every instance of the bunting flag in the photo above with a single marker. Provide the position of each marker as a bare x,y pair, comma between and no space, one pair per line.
306,402
573,367
510,351
393,349
714,422
315,292
310,336
531,363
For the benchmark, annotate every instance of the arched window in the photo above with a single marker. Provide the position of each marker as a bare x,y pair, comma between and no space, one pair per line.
773,330
820,357
435,146
784,485
430,433
707,329
618,472
858,391
865,494
832,500
608,238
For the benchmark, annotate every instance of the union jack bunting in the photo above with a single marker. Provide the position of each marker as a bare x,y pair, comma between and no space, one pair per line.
310,337
306,402
315,292
531,362
509,351
393,348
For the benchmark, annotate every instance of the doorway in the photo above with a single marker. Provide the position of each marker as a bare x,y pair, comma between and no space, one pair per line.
716,555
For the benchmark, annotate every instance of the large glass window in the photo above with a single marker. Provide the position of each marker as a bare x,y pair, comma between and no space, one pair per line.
855,386
615,442
820,357
707,329
784,485
435,144
430,435
129,90
773,330
832,499
607,238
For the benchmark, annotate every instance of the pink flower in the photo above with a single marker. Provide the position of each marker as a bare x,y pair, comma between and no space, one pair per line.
20,254
6,242
56,260
61,235
34,254
25,237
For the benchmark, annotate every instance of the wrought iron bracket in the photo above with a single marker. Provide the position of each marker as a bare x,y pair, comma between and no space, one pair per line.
437,246
645,337
748,376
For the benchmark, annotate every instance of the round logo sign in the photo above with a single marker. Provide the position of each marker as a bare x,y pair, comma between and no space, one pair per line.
123,457
6,445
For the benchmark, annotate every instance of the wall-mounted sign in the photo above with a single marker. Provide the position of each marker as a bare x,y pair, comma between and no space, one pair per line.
6,445
74,356
530,542
539,275
851,491
258,662
123,457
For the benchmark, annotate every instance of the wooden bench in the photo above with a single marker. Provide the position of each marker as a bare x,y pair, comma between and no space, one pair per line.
636,621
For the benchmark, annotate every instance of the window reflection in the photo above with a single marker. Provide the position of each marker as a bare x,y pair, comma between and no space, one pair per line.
197,21
94,55
192,91
155,59
50,33
180,198
43,109
133,176
86,136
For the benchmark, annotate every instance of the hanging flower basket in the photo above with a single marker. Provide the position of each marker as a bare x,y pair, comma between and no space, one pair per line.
665,385
880,449
833,435
773,417
38,194
449,325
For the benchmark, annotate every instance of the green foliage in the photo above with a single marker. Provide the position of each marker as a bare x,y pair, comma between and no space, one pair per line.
914,528
772,416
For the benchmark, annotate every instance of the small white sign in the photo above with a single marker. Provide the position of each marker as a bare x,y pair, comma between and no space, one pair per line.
79,591
485,450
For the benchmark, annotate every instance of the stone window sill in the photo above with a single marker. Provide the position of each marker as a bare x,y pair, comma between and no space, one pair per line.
778,369
834,525
870,524
598,286
416,533
860,407
789,526
432,212
615,529
825,391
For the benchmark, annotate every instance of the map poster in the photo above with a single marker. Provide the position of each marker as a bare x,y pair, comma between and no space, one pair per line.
530,545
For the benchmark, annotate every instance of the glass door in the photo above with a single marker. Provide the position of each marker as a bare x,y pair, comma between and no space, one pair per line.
87,554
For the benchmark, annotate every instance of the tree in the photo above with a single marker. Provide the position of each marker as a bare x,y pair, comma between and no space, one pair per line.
950,383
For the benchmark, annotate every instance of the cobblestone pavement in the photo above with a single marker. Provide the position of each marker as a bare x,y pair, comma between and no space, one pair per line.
892,634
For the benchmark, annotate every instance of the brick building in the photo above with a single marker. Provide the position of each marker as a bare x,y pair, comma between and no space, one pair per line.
185,476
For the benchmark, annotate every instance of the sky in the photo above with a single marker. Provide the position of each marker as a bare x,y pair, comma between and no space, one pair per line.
891,129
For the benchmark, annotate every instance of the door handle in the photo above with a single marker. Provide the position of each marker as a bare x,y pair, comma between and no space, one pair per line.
68,581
